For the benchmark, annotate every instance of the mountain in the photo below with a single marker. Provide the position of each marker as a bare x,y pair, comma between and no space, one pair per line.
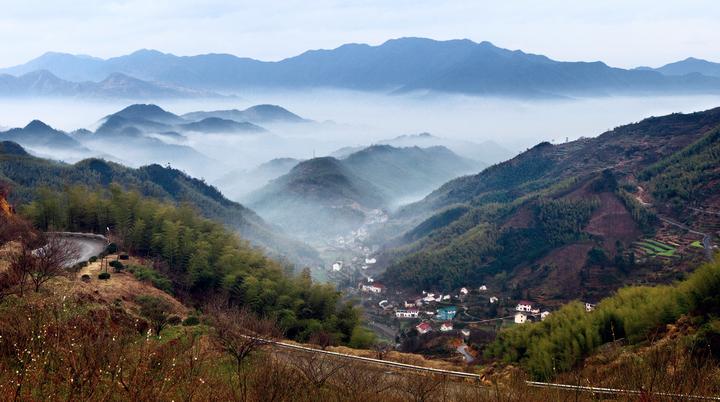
39,135
115,85
691,65
399,65
258,114
218,125
408,172
238,183
573,220
319,197
325,196
25,173
488,152
148,112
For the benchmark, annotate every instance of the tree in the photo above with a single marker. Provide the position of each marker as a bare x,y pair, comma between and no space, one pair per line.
156,310
44,263
238,332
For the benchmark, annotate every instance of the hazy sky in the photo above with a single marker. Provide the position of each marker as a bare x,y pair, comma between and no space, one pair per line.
622,33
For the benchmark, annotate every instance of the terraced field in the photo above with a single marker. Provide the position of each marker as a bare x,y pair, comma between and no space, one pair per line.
654,248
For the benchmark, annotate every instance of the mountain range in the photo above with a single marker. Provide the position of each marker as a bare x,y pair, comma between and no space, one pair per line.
145,133
398,65
115,85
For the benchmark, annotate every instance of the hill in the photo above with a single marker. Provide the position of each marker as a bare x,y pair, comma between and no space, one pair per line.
239,183
398,65
114,85
39,135
579,212
331,196
26,174
258,114
217,125
320,196
691,65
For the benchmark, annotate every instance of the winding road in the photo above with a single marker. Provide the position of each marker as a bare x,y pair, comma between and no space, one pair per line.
88,244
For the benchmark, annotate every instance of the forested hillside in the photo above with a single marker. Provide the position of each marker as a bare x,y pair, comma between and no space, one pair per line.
569,220
201,258
633,316
27,174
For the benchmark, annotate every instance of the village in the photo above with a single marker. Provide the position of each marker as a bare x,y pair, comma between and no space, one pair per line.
436,323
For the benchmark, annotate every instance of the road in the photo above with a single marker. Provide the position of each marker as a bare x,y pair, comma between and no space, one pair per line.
706,241
88,244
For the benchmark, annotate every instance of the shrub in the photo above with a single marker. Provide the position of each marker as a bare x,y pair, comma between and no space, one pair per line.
117,265
124,257
93,259
104,276
174,320
191,321
85,278
111,248
158,280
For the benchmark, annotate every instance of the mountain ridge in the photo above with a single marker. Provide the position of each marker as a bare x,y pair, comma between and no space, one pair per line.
398,65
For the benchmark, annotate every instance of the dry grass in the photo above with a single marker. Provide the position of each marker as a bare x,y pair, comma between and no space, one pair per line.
121,286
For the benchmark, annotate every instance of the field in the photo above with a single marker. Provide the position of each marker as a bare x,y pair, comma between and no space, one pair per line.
654,248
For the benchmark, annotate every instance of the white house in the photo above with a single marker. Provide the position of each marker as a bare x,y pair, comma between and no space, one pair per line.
423,328
446,326
409,313
446,297
372,288
465,332
414,302
544,315
464,291
337,266
430,297
589,307
523,305
520,318
364,267
370,261
482,288
493,299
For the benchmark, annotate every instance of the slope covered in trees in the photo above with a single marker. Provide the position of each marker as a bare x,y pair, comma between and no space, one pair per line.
201,257
635,314
502,220
26,174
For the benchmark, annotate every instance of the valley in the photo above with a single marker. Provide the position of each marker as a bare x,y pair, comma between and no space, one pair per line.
352,216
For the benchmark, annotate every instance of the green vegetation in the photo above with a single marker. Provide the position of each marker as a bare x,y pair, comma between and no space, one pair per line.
686,175
31,178
478,250
147,274
634,313
199,257
655,248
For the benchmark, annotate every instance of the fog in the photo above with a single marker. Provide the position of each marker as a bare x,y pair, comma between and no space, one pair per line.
352,118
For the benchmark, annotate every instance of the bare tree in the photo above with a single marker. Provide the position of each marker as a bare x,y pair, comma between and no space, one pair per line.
47,262
238,332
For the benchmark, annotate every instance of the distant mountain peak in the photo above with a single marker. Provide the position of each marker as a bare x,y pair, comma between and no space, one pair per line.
37,125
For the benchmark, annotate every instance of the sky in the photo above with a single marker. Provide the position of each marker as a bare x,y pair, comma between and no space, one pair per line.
622,33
